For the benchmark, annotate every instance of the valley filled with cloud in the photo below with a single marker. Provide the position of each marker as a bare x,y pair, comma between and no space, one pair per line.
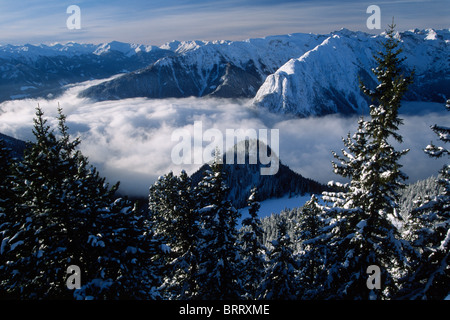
130,140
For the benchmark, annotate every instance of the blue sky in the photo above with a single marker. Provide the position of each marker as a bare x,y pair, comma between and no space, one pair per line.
159,21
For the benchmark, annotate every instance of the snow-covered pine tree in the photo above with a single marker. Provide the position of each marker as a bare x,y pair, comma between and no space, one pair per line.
413,195
363,233
7,204
313,250
126,258
173,208
122,257
58,221
253,250
188,235
280,279
219,274
349,166
163,201
382,175
37,229
429,232
6,178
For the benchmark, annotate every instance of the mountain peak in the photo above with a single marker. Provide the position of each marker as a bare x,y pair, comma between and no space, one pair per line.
128,49
241,178
344,32
325,79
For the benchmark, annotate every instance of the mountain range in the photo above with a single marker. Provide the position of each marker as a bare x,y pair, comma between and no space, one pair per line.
300,74
326,79
30,71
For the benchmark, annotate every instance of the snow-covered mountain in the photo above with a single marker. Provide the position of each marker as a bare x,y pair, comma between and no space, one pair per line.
230,69
326,79
72,49
38,70
303,74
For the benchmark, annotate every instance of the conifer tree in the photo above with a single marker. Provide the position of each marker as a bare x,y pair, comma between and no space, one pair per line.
163,201
363,233
188,234
253,251
67,215
173,208
219,274
126,257
279,282
313,252
7,204
429,232
349,165
6,179
38,229
382,175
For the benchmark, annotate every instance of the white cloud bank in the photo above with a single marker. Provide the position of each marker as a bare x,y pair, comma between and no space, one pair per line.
130,140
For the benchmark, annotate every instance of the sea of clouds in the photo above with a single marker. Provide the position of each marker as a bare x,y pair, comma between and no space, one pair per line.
131,140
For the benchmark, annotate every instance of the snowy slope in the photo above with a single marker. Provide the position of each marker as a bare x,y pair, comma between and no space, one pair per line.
326,79
311,84
39,70
216,68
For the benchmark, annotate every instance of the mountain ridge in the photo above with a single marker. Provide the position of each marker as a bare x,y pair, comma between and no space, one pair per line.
279,73
312,85
202,68
240,178
268,71
32,71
